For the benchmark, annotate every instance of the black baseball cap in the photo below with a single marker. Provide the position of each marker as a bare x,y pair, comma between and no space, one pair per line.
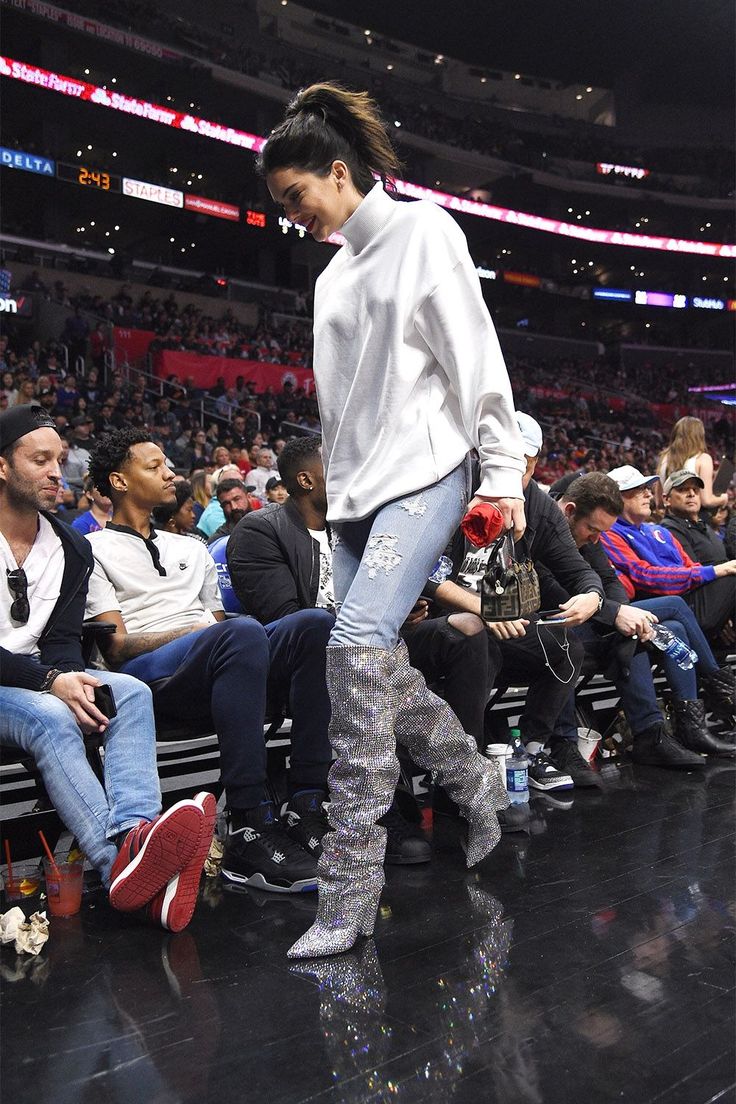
274,482
20,420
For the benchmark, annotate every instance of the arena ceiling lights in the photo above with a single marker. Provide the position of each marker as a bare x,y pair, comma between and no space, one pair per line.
166,116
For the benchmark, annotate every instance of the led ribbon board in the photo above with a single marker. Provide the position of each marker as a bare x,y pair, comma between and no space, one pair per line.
166,116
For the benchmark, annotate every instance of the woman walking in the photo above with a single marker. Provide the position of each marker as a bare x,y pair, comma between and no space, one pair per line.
410,378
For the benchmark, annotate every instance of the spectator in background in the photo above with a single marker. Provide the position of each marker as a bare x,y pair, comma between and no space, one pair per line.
264,470
201,482
76,465
687,449
8,388
99,513
718,518
236,501
177,516
47,399
26,392
67,394
212,517
651,561
276,491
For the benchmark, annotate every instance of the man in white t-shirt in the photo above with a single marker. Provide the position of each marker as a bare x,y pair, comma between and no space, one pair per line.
160,590
47,698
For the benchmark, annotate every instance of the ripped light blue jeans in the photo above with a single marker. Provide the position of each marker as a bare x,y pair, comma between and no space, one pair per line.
381,564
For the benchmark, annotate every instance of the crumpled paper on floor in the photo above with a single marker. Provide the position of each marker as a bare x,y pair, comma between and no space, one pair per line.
29,935
213,862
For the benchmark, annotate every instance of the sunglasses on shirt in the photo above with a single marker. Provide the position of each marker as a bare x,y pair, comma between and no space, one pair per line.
20,610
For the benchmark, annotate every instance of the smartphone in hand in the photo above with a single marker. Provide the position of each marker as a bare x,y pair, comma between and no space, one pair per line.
551,617
105,701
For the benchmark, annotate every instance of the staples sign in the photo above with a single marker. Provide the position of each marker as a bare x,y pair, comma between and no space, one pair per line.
154,193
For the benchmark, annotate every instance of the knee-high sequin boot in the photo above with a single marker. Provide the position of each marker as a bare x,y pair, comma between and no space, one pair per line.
362,781
434,737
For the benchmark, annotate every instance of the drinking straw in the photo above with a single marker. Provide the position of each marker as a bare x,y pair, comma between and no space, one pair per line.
7,858
48,851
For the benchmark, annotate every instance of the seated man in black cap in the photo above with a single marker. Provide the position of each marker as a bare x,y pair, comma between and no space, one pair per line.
48,701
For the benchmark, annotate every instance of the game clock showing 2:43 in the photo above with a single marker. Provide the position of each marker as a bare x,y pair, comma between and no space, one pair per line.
88,178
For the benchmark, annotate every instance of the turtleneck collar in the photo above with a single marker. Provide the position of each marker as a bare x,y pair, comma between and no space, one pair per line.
369,217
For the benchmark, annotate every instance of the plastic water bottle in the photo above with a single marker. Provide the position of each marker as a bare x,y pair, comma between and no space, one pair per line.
664,639
517,770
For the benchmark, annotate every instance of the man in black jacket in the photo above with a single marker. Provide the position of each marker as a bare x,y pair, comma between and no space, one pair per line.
683,518
47,699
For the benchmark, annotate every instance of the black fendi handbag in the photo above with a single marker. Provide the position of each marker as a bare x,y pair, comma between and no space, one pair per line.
510,587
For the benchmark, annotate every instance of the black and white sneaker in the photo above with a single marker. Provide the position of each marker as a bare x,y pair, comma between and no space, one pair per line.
267,858
306,820
544,775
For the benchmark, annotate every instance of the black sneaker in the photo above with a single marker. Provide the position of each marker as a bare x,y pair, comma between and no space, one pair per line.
544,775
306,820
567,758
405,844
267,858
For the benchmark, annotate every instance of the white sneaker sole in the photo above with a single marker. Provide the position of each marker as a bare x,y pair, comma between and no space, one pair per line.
562,782
258,881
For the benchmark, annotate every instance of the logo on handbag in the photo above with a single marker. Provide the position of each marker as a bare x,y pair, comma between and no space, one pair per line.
510,587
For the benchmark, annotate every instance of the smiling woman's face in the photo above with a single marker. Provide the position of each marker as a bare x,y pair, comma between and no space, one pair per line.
321,204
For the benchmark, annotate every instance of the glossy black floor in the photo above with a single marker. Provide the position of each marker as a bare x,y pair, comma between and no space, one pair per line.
591,961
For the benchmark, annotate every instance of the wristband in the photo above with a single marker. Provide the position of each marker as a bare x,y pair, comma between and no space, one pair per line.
49,680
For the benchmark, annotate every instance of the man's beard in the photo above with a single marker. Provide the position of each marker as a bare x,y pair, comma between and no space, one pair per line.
24,497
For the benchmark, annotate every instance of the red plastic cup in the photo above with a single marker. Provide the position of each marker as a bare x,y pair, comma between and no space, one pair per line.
64,882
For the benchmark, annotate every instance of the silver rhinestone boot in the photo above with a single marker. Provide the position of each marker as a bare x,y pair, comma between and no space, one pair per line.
362,781
433,736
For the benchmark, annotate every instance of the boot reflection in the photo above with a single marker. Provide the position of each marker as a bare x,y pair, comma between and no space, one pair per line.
466,1002
352,1001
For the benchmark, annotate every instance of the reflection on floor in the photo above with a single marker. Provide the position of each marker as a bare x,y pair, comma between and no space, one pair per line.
592,960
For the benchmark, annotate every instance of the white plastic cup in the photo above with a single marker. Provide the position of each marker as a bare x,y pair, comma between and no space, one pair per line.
498,754
588,741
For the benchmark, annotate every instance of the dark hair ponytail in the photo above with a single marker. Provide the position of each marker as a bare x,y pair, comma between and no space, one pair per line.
326,123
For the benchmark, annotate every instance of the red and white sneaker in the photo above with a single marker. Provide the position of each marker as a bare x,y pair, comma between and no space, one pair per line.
152,853
173,906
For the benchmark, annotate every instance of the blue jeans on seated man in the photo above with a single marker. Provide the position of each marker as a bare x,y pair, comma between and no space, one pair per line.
675,614
228,674
44,726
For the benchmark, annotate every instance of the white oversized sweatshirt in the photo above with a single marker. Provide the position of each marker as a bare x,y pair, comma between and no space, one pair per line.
407,365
